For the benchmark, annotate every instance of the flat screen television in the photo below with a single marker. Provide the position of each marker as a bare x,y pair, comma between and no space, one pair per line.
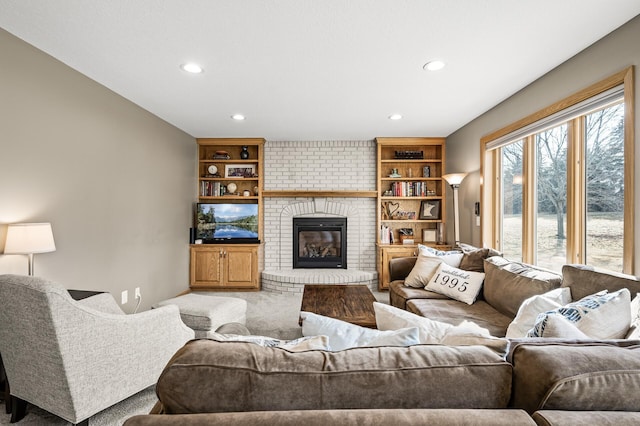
226,223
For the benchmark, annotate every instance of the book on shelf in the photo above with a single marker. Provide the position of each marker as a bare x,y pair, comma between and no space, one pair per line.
211,189
411,189
386,235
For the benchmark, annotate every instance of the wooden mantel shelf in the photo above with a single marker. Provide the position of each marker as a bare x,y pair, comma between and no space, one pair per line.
303,193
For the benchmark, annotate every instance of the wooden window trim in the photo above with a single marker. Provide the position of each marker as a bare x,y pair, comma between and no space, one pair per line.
490,228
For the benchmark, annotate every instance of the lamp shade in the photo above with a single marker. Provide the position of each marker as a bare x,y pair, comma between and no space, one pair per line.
28,238
454,178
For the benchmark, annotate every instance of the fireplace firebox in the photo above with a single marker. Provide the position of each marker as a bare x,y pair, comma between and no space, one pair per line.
320,242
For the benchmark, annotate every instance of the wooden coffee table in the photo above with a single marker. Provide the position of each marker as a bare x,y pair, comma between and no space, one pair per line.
350,303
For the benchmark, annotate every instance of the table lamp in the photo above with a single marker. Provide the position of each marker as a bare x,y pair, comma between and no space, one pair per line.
29,238
455,179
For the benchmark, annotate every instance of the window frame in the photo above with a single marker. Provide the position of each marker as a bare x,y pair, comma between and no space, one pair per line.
490,169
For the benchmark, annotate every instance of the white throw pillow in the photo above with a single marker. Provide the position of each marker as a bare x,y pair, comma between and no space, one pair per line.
392,318
436,332
460,285
422,271
556,325
452,258
296,345
634,329
600,316
468,333
343,335
307,343
535,305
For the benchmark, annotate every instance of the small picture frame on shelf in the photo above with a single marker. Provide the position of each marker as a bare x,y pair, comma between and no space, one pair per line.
239,170
426,171
402,215
430,210
406,235
429,235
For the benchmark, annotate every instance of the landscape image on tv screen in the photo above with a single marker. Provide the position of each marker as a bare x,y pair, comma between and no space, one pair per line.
226,221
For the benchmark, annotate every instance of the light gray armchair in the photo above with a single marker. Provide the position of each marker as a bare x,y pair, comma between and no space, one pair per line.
76,358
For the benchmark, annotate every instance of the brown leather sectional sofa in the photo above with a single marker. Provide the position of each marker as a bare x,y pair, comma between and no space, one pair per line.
540,381
554,383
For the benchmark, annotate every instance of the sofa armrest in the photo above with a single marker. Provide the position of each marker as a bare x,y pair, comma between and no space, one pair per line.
584,376
400,267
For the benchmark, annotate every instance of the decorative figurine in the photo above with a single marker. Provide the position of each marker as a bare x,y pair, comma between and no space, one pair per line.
244,154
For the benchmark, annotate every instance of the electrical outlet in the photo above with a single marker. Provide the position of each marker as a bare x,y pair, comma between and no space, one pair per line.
124,297
137,292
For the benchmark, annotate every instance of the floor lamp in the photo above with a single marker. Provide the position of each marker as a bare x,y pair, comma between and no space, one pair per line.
455,179
29,238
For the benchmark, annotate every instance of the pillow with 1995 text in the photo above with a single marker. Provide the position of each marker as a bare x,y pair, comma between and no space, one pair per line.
460,285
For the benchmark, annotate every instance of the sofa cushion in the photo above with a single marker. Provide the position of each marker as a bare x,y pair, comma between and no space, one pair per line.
533,306
455,283
343,335
584,280
210,376
576,376
473,257
454,312
399,294
599,316
507,284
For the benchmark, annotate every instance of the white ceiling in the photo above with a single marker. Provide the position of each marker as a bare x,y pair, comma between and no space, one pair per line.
314,70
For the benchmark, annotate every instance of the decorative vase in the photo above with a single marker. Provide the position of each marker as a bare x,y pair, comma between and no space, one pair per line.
244,154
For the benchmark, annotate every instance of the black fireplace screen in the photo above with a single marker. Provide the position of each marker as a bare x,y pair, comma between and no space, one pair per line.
320,242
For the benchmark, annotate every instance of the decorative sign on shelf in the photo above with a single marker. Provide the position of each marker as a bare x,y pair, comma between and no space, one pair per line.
221,155
409,155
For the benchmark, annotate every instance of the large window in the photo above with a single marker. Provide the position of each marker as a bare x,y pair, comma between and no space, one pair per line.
604,168
511,225
556,189
551,197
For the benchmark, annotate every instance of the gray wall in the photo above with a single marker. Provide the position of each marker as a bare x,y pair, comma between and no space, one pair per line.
116,182
611,54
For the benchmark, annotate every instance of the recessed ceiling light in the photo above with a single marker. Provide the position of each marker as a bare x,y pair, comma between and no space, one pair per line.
395,117
434,65
192,68
238,117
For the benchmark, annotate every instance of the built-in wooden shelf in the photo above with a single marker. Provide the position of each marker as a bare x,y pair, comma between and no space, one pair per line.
302,193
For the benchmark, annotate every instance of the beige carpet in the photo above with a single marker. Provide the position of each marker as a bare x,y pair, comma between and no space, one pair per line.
268,314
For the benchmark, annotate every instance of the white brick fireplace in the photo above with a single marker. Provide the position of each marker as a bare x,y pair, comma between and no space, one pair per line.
312,167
